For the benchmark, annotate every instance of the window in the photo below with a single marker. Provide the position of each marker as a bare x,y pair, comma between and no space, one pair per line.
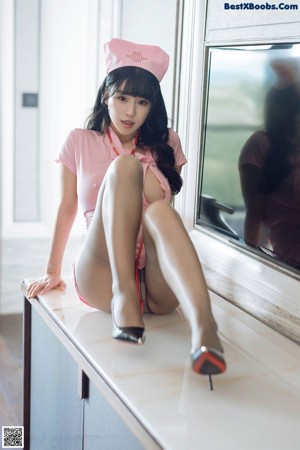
250,184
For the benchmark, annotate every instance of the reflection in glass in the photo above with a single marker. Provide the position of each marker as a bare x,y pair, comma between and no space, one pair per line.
251,168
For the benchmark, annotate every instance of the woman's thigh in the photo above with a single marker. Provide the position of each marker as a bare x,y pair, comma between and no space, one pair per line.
93,283
92,268
93,273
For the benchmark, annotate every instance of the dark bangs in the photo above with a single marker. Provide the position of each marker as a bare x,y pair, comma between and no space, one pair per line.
138,83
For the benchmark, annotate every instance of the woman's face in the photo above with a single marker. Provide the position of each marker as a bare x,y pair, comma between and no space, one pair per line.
127,113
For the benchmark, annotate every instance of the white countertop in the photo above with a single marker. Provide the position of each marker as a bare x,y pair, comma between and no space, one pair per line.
254,405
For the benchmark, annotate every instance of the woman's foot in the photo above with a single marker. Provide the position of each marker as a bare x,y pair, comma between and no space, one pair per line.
206,335
207,352
126,308
127,321
209,338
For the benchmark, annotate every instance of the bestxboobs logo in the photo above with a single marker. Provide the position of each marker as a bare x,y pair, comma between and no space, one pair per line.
261,6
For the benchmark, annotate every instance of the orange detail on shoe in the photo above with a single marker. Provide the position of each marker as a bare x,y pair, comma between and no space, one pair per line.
209,357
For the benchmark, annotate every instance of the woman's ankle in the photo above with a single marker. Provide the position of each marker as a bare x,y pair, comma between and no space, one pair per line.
126,309
206,336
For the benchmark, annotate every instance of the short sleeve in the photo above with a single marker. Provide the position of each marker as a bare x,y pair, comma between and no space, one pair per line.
255,150
67,154
174,142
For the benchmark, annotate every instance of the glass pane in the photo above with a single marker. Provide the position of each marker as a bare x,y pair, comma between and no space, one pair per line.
250,188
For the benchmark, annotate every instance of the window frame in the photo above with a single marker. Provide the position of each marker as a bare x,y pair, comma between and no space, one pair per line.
250,281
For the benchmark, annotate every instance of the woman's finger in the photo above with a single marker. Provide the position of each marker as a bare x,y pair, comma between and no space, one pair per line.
35,288
62,285
44,285
47,288
52,284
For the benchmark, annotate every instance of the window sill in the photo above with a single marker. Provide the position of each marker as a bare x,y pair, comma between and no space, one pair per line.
251,284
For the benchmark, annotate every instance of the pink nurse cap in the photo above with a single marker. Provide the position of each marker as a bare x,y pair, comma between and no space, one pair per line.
120,53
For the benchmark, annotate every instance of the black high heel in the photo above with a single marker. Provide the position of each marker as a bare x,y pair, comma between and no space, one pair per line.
135,335
208,361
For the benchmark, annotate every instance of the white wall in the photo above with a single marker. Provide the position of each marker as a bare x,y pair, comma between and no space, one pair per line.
7,103
26,178
68,83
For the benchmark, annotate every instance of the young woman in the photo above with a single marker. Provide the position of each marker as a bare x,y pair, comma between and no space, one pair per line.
124,168
269,167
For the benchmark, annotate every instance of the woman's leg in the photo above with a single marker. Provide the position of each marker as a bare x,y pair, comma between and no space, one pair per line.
173,272
106,263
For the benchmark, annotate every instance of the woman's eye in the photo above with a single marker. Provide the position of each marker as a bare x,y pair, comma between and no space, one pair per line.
122,98
143,102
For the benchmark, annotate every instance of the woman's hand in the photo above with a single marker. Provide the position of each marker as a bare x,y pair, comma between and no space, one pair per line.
44,285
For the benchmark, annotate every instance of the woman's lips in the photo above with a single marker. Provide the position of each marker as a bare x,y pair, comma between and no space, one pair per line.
127,123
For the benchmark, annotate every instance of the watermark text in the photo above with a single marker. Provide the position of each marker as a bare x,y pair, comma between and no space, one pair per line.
261,6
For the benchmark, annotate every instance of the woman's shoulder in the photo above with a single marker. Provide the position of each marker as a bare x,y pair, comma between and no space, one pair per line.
173,136
175,143
84,133
90,146
81,138
255,149
174,140
260,138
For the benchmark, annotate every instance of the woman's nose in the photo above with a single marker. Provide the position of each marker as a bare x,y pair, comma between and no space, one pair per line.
131,110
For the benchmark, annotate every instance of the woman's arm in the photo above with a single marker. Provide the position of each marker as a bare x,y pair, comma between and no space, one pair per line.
250,177
66,214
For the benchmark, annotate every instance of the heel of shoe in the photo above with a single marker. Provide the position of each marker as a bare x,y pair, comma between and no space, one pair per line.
208,361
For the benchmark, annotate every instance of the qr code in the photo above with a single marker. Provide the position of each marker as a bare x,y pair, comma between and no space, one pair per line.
12,437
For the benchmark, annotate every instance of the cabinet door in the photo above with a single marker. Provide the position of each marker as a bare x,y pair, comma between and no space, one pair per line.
56,418
103,428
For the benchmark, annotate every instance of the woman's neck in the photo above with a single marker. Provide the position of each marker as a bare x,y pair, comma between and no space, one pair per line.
125,140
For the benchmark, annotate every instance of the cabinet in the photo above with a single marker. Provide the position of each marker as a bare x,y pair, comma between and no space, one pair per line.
103,429
63,409
56,411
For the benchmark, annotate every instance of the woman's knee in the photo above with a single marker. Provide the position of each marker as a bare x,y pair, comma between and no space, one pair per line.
126,167
159,209
160,213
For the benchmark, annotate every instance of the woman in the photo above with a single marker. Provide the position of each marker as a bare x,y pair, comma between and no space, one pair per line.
269,167
137,255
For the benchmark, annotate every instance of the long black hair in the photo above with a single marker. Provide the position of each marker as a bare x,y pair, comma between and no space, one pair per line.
154,132
282,114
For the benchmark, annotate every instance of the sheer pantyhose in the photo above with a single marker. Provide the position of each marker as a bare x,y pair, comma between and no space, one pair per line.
105,266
